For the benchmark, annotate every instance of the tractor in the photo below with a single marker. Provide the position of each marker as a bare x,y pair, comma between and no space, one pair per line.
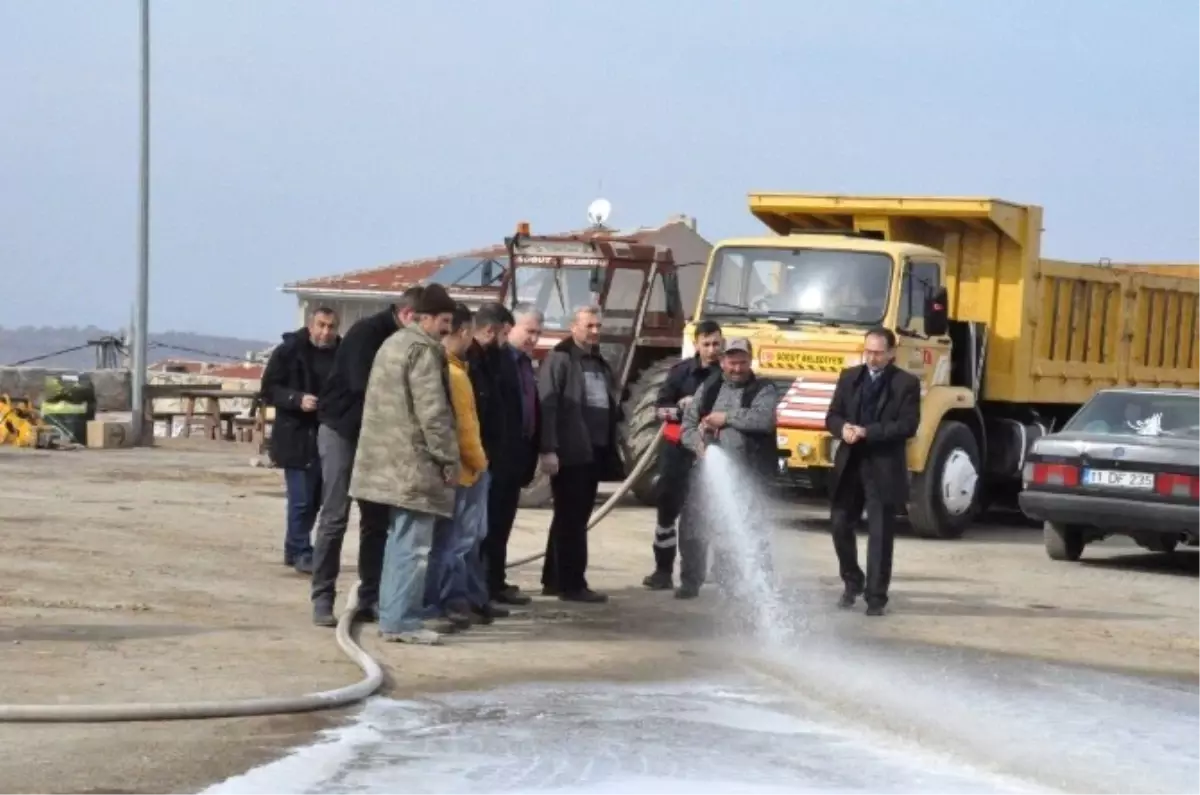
637,287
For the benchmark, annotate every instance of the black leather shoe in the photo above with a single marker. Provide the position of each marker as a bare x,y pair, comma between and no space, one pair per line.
849,597
323,614
511,596
687,591
586,595
874,610
659,581
483,614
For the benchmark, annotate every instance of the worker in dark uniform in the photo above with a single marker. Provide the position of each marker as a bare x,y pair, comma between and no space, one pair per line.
674,460
875,410
735,409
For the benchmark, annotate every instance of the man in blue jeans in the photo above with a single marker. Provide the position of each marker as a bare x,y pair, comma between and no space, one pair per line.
447,591
293,378
408,460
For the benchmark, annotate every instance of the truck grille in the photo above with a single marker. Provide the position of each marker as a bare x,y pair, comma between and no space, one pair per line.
806,401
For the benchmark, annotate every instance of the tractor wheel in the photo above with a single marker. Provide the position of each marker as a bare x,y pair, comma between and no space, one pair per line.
642,424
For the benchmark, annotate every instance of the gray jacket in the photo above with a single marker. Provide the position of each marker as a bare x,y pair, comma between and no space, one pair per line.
756,422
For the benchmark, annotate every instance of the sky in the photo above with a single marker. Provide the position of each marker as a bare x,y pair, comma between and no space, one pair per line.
300,139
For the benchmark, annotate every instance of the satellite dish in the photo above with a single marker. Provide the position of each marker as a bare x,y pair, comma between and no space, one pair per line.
598,212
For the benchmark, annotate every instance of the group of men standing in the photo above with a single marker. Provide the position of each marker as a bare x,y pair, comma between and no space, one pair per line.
432,418
714,397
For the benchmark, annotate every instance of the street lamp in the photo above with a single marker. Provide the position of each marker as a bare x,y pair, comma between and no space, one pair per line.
142,307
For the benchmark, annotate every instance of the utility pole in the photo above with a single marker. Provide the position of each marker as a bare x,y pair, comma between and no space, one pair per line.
140,328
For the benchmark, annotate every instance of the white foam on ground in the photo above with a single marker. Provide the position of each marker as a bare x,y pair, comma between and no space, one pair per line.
684,737
812,711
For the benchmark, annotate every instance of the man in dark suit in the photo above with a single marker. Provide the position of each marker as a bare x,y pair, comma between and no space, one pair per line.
876,408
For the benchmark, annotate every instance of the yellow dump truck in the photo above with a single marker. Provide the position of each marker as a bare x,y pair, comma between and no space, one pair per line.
1007,344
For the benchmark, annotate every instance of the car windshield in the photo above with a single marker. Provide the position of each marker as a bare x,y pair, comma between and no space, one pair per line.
558,292
822,284
1139,414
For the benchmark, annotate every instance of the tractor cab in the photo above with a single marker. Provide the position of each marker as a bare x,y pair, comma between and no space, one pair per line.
635,286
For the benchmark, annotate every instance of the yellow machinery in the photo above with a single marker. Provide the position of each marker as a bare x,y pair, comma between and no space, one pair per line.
1028,340
22,426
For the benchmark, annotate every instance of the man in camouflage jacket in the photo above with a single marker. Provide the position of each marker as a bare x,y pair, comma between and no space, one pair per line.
408,459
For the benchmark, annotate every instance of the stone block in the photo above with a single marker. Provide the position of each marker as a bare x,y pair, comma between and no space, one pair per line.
109,434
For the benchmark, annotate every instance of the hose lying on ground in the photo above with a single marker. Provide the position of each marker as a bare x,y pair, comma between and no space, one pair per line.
237,708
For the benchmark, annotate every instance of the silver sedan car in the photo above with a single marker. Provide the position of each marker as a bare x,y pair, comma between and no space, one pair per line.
1127,463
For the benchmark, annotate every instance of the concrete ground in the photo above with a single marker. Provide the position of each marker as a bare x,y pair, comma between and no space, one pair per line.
155,575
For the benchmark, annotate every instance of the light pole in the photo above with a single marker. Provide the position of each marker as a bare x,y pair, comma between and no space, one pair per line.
142,307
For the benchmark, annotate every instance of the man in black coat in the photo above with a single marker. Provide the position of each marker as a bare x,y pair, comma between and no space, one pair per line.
291,382
875,410
509,418
674,460
580,413
340,415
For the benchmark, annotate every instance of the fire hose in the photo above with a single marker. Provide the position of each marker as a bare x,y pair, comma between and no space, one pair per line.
235,708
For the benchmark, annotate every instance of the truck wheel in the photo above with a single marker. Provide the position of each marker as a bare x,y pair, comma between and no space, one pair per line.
641,426
945,497
1063,542
537,494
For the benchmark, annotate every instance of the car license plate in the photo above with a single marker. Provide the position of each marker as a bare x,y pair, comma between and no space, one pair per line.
1111,478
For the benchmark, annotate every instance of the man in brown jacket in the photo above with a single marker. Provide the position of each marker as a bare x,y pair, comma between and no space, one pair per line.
408,459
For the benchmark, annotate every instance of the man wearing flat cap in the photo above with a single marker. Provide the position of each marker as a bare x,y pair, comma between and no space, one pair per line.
736,410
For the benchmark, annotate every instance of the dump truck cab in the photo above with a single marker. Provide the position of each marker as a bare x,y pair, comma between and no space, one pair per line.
807,300
931,270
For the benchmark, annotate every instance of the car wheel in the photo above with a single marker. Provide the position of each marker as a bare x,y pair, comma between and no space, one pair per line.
1165,544
945,497
1063,542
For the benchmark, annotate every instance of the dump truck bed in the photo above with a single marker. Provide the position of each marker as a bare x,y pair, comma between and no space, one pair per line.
1057,331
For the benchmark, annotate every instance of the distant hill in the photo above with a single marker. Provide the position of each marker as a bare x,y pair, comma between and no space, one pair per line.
28,342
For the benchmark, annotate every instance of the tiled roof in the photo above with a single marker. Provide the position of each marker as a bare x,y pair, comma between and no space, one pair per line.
247,370
399,276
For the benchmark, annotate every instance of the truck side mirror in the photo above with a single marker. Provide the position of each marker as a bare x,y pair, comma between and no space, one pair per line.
596,282
937,321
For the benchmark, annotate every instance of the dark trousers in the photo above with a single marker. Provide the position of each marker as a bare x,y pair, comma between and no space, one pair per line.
502,499
674,466
337,463
303,488
574,488
852,495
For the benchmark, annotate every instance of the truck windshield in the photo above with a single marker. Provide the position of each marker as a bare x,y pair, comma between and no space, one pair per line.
1139,414
557,292
820,284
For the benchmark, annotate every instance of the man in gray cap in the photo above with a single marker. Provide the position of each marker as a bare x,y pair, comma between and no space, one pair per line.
736,409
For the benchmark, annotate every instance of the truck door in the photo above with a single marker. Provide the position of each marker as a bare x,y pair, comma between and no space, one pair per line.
926,358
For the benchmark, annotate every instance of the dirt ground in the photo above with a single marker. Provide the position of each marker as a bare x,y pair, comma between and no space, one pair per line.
155,575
